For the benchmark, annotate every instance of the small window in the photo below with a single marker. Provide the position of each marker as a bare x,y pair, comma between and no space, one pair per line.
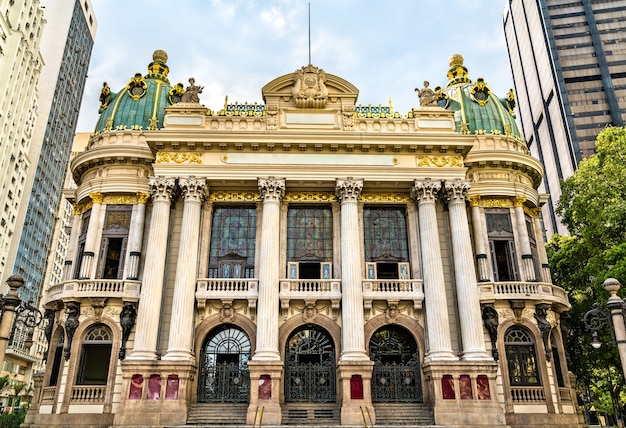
521,357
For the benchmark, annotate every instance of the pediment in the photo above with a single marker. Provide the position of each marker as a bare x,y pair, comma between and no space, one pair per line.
310,87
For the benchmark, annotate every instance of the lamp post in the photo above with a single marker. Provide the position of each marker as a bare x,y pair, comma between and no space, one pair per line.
598,318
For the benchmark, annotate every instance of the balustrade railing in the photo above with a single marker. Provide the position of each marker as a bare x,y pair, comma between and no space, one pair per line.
565,394
528,394
121,288
88,394
47,394
393,290
227,289
541,291
310,290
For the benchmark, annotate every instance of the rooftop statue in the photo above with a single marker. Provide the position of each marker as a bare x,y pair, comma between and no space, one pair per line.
426,95
192,91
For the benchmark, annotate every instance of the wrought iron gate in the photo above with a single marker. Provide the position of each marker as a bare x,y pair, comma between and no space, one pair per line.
396,377
223,373
310,367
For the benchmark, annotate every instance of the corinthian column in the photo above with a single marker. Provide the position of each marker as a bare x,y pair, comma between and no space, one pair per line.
437,324
528,268
70,258
146,331
181,327
136,236
272,192
472,335
92,234
352,338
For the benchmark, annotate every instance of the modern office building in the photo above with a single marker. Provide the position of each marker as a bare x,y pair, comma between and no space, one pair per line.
568,59
305,261
21,26
65,49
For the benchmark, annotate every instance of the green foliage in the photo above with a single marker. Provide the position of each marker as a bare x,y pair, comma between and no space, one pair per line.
593,207
12,420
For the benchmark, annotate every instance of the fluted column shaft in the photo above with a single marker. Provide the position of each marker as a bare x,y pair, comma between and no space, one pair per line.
272,192
472,335
71,257
205,239
484,274
352,319
528,268
437,320
541,249
136,237
180,344
149,311
92,234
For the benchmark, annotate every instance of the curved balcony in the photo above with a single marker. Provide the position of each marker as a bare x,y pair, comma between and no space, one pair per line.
310,290
540,292
392,291
124,289
227,290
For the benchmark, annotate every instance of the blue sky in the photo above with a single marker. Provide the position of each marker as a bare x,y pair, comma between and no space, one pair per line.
234,47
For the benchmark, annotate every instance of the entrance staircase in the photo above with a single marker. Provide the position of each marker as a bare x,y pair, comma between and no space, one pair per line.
409,414
217,414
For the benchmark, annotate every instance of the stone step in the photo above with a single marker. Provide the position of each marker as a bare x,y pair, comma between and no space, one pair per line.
205,414
407,414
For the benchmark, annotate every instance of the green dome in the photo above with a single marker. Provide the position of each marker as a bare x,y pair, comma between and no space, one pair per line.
141,104
476,109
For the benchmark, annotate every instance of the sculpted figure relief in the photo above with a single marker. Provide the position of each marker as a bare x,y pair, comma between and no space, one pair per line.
192,91
309,87
426,95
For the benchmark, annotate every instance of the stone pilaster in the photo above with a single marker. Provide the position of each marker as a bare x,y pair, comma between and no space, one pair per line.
546,276
136,237
70,258
205,239
352,340
146,334
91,244
484,274
180,339
437,321
272,191
528,268
472,335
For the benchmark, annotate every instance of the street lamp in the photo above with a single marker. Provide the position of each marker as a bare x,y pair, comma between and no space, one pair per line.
11,308
597,319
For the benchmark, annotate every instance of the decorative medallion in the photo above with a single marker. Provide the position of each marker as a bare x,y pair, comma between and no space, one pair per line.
176,93
510,102
440,161
441,98
179,157
309,88
137,87
480,92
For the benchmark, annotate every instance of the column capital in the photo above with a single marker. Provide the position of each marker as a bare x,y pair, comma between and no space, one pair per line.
162,188
425,190
271,189
456,190
96,197
348,190
194,189
474,200
519,200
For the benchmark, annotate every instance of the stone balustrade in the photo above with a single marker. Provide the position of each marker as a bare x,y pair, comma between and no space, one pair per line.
528,394
88,394
516,290
393,290
310,290
227,290
47,395
125,289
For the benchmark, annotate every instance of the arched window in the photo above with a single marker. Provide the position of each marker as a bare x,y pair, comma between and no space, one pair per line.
521,357
95,356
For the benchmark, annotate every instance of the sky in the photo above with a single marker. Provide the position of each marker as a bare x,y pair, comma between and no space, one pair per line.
234,47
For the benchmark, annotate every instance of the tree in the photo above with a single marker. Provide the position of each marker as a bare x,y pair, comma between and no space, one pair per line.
593,207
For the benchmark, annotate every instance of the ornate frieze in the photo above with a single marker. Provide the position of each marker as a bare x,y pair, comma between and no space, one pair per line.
271,189
496,202
242,196
194,189
440,161
519,200
310,197
474,200
96,197
425,191
456,190
348,190
179,157
143,197
162,188
385,197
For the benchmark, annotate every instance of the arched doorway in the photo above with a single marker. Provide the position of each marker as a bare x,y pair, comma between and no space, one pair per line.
396,377
310,366
223,373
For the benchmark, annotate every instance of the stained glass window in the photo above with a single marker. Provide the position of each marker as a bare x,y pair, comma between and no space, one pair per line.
520,355
385,234
309,234
233,236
